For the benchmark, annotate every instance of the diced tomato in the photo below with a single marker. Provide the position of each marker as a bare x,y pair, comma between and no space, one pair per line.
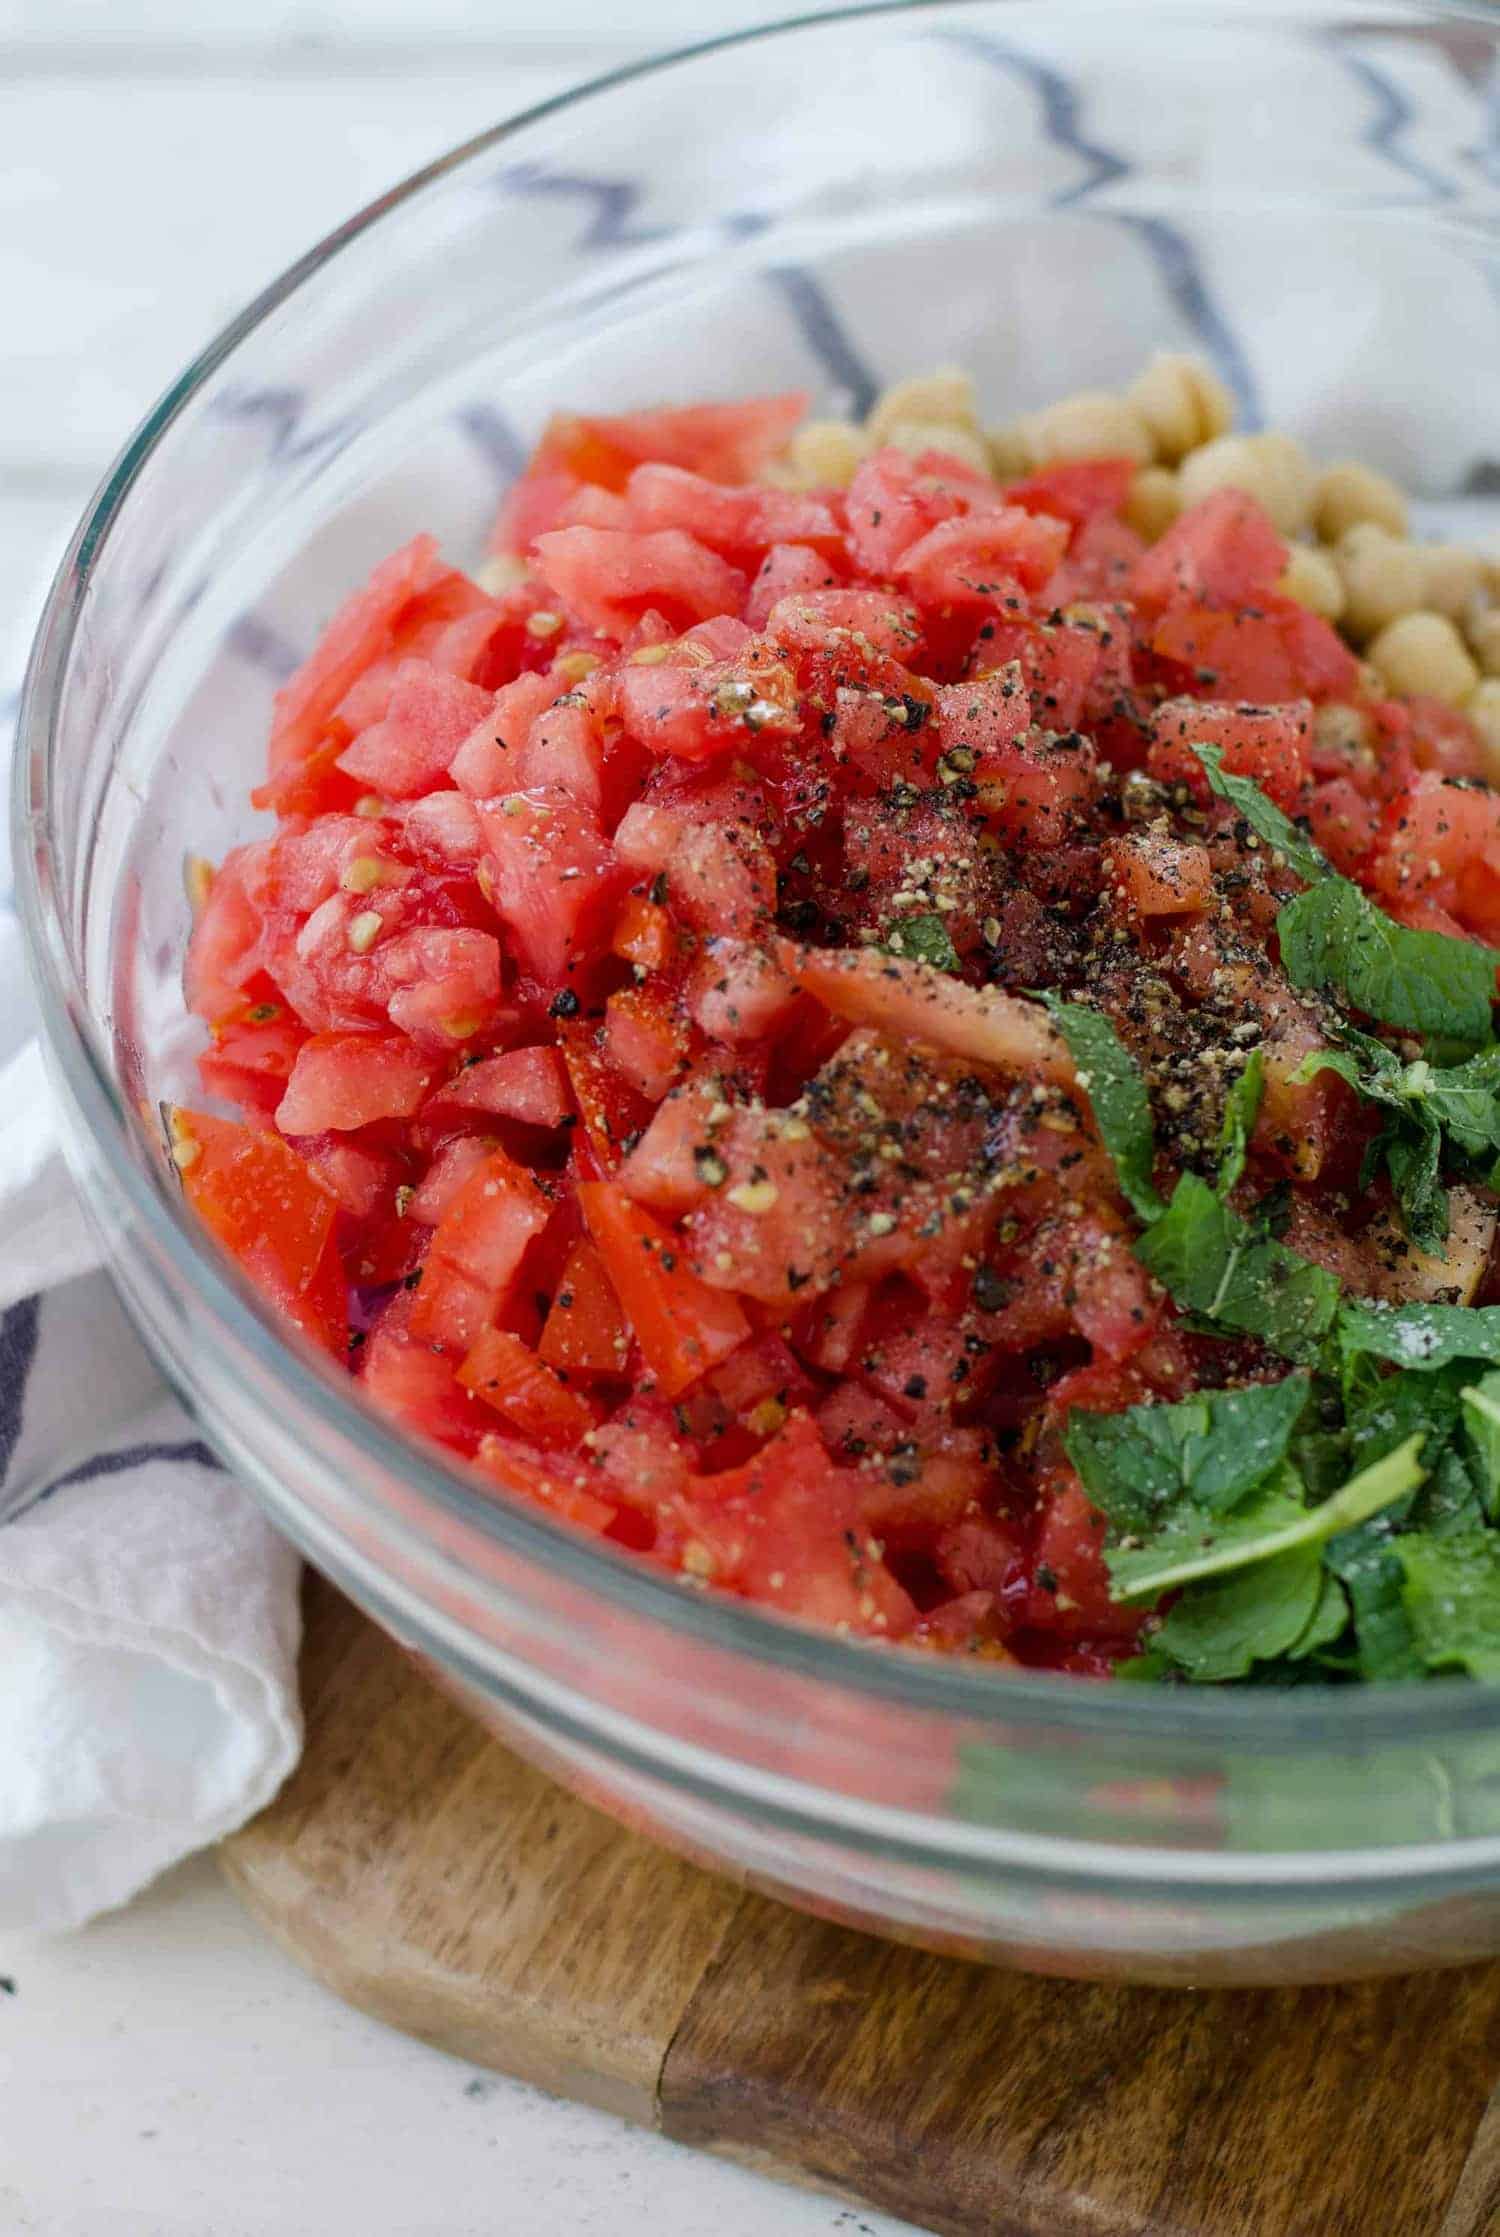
612,1111
554,878
251,1057
643,933
647,1037
529,1085
1275,652
363,629
262,1203
585,1332
476,1252
346,1080
507,1374
414,1384
786,570
723,442
1155,875
1343,822
978,560
1269,744
427,719
682,1326
1076,490
1221,552
609,577
1070,1584
549,1481
787,1529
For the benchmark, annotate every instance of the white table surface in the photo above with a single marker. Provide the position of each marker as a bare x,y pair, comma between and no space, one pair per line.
167,2073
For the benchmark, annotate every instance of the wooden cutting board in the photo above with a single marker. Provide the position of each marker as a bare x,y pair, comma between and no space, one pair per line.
431,1877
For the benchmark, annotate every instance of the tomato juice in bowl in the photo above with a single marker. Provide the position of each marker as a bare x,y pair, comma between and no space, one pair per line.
1165,1833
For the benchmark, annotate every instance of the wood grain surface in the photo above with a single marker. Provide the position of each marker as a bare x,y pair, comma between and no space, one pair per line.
431,1877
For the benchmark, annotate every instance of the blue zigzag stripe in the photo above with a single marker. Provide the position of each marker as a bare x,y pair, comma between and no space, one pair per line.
261,646
1393,114
825,334
119,1463
18,1338
1183,279
614,203
493,434
1060,111
1175,259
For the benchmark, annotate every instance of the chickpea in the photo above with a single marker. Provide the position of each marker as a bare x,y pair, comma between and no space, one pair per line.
917,435
825,453
1339,728
946,396
1483,632
1183,404
1349,494
1154,502
1092,424
1383,577
1311,577
1453,579
1273,469
1483,710
1011,451
1423,652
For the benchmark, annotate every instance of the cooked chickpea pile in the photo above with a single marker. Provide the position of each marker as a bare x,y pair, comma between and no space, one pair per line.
1425,616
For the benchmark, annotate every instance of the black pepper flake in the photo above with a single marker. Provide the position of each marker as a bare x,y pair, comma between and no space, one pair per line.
564,1004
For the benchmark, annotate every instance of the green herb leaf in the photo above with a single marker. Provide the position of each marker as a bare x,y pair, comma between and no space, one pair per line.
925,938
1220,1627
1334,936
1274,1520
1111,1079
1263,816
1451,1594
1214,1264
1419,1336
1209,1450
1481,1405
1372,1577
1421,982
1241,1107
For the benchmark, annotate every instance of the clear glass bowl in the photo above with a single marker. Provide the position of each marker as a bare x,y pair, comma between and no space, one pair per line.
1041,190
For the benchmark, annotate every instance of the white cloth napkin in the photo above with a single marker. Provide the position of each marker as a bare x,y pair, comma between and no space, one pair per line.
148,1612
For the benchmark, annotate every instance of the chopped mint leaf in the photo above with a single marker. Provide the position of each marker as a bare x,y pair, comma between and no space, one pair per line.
1213,1263
1451,1595
1224,1624
925,938
1333,935
1420,1336
1328,1623
1241,1107
1431,1111
1481,1405
1263,816
1273,1520
1371,1576
1209,1450
1389,1409
1111,1079
1449,1501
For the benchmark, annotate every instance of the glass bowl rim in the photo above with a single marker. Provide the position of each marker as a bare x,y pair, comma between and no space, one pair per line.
937,1684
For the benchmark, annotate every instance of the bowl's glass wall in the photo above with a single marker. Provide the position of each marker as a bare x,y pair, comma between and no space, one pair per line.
1044,193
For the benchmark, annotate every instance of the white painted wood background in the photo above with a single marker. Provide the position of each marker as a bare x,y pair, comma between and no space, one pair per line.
167,2073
